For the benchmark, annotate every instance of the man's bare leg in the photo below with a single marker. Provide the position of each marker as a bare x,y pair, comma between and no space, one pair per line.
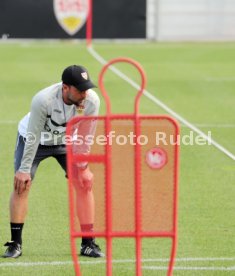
18,212
85,205
18,206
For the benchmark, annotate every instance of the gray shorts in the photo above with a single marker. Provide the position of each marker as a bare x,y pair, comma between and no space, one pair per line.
43,152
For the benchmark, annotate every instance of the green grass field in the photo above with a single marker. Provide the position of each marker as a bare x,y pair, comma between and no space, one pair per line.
196,81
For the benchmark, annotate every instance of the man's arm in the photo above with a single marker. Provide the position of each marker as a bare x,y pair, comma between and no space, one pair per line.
37,120
87,127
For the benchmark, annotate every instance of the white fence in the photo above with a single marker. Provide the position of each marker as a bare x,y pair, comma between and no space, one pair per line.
190,20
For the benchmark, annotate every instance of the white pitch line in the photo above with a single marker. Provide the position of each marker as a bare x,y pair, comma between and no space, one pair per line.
161,104
220,79
96,262
213,125
27,264
189,268
8,122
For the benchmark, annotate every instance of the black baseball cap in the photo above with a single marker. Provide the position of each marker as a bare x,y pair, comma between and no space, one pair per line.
77,76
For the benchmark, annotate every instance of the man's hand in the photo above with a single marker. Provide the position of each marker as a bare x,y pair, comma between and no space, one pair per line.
22,182
85,178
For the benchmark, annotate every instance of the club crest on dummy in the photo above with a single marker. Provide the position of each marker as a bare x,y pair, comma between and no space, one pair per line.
71,14
156,158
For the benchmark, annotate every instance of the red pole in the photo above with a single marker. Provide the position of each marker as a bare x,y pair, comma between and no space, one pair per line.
108,173
89,24
138,225
71,206
175,212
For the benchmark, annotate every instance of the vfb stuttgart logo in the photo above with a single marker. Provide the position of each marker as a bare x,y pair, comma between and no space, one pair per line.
156,158
71,14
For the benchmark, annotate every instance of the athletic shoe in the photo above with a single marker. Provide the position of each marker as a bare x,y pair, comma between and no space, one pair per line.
91,249
14,250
